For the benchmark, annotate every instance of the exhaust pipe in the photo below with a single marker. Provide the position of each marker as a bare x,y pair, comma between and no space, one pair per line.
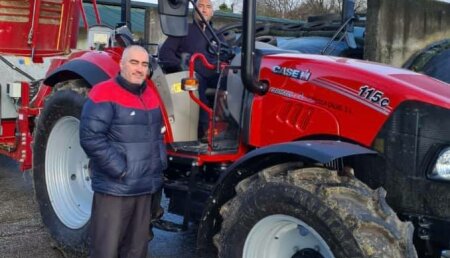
348,15
248,47
348,9
125,13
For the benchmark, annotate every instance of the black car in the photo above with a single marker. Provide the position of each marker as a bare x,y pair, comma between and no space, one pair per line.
433,61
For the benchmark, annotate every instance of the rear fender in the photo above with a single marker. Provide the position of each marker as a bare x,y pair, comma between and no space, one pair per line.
92,66
310,152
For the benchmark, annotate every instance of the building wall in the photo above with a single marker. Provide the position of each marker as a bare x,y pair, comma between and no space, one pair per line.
396,29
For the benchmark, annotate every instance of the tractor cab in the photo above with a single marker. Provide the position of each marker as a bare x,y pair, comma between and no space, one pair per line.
181,100
227,113
194,163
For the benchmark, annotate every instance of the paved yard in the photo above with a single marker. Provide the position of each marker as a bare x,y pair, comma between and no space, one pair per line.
23,235
21,231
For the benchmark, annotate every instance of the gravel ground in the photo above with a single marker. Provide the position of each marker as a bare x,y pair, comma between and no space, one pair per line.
23,235
21,231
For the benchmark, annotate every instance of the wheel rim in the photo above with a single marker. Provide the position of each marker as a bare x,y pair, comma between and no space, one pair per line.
67,175
283,236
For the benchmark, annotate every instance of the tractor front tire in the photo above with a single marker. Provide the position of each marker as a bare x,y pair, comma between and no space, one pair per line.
284,211
60,168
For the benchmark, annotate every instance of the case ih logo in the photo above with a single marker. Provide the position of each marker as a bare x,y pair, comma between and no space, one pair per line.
293,73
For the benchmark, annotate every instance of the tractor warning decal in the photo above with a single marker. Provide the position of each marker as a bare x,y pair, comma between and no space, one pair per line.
365,95
176,88
293,73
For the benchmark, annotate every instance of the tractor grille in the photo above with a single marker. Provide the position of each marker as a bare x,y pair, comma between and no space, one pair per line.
51,12
410,141
21,11
14,10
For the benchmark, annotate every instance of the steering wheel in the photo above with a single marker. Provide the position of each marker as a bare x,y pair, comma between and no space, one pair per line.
232,34
232,39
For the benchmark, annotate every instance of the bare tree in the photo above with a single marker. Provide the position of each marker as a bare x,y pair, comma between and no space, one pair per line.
301,9
282,7
277,8
236,5
360,5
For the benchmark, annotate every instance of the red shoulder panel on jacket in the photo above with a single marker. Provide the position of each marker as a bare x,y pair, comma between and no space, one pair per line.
110,91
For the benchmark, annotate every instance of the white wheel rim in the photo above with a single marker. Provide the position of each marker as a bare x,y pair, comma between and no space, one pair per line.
67,174
283,236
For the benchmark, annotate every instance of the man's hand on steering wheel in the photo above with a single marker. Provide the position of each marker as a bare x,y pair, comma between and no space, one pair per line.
226,53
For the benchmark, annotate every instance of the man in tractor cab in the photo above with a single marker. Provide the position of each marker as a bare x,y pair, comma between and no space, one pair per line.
120,131
174,50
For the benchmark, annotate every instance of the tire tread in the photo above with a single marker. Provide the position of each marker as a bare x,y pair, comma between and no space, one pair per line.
375,227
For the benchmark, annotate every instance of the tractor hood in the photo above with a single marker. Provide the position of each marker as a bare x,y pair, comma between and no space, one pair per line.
316,44
310,95
352,77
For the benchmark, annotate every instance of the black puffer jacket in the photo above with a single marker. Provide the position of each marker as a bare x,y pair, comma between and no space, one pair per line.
120,131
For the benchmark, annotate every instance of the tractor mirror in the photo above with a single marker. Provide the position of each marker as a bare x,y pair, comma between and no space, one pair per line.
173,15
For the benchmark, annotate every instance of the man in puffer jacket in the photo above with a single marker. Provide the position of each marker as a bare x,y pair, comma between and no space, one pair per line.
120,131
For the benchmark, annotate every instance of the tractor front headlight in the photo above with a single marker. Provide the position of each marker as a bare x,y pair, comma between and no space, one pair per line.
441,169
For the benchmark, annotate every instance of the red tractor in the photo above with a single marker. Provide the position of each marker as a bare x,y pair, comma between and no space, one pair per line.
296,147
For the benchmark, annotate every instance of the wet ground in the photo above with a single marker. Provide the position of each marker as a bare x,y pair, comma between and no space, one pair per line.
23,235
21,231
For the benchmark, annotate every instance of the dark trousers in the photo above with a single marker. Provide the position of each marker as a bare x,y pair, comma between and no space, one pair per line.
120,226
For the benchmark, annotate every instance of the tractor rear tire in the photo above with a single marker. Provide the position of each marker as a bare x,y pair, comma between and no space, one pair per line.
310,212
60,168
